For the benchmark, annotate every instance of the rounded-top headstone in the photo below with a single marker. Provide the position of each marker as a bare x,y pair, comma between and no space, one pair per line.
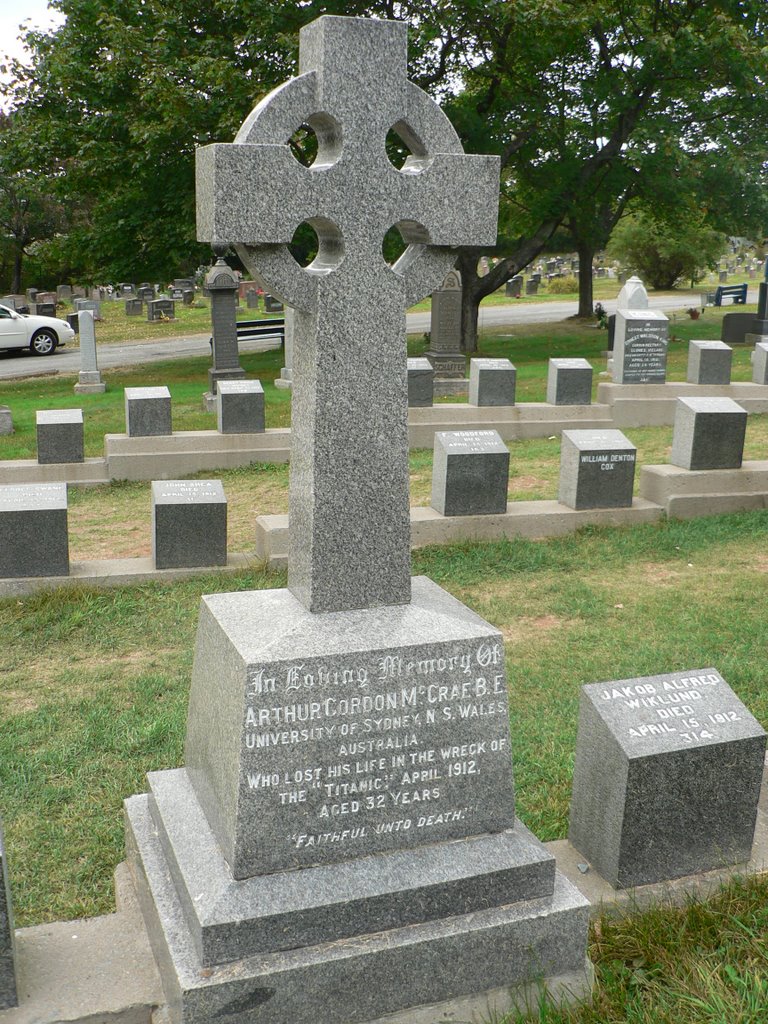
633,295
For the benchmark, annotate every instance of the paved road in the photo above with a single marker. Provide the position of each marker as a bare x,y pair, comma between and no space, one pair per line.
67,360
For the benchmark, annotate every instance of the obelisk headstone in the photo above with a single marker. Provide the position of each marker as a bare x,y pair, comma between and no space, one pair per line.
89,379
347,805
222,284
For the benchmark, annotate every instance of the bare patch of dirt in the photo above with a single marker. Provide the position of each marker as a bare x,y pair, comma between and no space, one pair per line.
528,628
527,483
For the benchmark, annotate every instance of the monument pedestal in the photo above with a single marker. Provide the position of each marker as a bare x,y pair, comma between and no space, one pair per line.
342,842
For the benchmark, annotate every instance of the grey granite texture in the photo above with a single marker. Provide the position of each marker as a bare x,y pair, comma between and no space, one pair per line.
632,295
230,919
760,363
8,992
240,407
736,326
147,412
421,383
350,527
134,307
223,285
640,342
470,473
569,382
189,523
667,777
445,316
492,382
33,530
597,469
6,421
157,309
362,978
709,362
286,372
272,305
315,738
88,304
59,435
87,332
708,433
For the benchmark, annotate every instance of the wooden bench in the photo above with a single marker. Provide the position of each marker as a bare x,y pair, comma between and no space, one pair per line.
736,292
265,330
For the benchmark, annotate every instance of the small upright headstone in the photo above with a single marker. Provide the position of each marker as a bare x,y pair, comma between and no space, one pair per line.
569,382
188,296
189,523
89,379
640,346
421,383
252,299
134,307
514,287
240,407
667,777
33,530
632,295
470,473
736,327
272,305
531,287
8,989
285,380
43,309
145,292
64,292
89,304
722,276
59,436
147,412
760,363
597,469
444,354
708,434
709,362
492,382
6,421
161,309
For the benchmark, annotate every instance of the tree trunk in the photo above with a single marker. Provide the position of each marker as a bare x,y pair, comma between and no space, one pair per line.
586,254
17,259
470,299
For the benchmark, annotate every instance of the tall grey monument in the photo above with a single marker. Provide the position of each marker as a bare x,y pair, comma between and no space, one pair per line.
341,844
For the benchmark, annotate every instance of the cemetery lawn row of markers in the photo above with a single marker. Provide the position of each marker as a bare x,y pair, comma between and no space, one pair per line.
528,347
94,695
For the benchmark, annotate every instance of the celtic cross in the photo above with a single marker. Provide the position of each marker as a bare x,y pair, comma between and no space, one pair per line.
349,523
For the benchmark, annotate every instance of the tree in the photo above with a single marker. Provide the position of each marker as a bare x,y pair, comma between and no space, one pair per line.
665,253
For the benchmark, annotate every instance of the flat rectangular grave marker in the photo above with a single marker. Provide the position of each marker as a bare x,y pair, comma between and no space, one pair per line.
421,383
569,382
470,473
640,342
147,412
597,469
189,523
492,382
59,436
708,433
667,777
33,530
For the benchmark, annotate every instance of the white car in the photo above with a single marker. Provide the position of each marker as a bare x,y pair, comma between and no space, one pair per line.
40,334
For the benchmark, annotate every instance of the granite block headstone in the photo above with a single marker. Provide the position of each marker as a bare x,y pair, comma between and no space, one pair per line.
667,777
8,989
421,383
59,436
240,407
64,292
134,307
640,342
708,433
272,305
92,305
597,469
33,530
514,287
470,473
736,326
43,309
760,363
252,299
345,732
709,362
569,382
6,421
161,309
189,523
147,412
492,382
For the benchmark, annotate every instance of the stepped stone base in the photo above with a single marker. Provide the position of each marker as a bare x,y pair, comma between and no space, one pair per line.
487,959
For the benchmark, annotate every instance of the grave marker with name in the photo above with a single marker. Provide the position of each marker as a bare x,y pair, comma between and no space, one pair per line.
445,355
640,346
34,540
470,473
343,732
597,469
667,777
189,523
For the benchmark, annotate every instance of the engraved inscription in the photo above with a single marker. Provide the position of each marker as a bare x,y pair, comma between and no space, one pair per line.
645,352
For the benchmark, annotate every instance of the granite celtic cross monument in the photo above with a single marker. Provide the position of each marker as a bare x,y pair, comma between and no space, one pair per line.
341,843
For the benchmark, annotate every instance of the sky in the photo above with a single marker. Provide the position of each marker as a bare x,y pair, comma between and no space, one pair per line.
13,13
